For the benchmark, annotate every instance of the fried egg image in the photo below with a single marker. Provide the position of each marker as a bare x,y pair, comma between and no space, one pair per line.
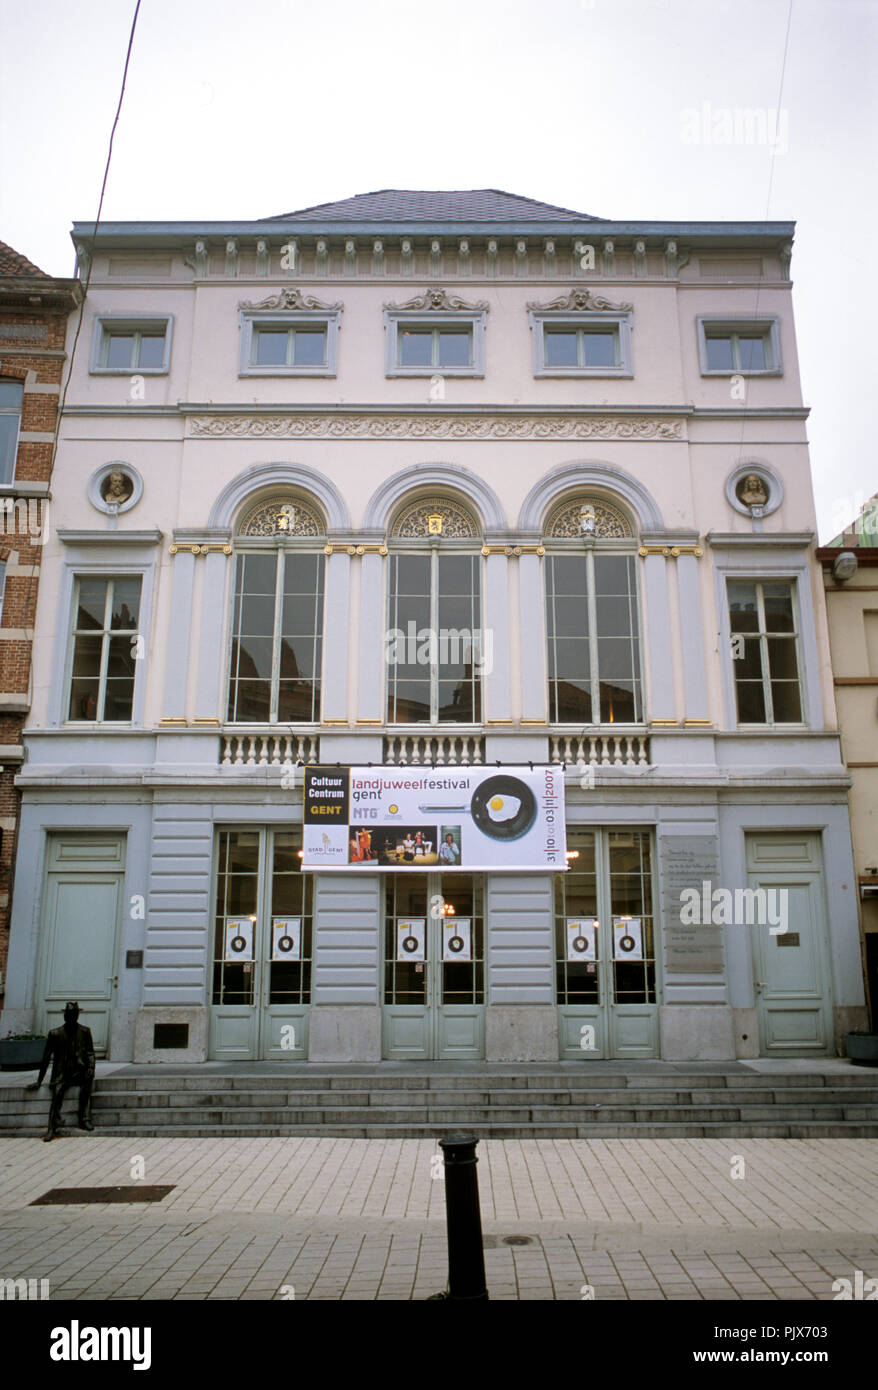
503,808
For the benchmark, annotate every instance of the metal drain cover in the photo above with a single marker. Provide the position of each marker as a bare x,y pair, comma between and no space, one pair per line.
518,1240
82,1196
494,1242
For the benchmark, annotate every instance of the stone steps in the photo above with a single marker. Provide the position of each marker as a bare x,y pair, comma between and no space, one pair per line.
418,1104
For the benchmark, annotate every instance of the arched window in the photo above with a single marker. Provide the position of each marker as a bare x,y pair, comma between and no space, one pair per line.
592,615
434,646
277,615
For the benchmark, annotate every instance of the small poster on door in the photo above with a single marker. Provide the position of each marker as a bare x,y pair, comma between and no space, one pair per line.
582,936
457,939
239,939
627,938
286,938
411,939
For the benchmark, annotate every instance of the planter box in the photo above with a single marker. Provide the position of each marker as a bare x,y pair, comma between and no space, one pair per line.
23,1054
863,1049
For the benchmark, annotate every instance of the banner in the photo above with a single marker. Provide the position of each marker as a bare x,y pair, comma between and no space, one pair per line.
286,938
582,938
627,938
457,939
411,939
468,819
239,939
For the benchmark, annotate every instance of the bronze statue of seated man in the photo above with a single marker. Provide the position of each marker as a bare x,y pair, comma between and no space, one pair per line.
71,1051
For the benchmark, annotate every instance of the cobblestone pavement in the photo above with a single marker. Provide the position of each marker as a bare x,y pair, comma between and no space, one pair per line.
364,1219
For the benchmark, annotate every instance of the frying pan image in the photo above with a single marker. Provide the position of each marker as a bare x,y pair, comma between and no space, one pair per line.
494,810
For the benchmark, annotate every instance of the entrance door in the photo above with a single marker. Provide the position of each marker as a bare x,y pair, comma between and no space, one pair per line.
82,909
605,946
791,968
434,966
261,988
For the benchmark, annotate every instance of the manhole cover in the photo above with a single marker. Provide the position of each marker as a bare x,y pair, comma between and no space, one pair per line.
82,1196
518,1240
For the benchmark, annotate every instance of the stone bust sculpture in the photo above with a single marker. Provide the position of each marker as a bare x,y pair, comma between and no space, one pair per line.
116,488
752,491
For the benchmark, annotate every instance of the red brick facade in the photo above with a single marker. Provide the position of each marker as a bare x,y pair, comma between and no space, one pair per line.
34,309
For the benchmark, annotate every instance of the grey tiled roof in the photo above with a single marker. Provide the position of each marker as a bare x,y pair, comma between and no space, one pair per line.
418,205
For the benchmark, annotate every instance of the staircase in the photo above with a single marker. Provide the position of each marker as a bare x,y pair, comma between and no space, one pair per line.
640,1100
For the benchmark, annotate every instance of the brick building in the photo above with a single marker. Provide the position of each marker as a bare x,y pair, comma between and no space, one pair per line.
34,308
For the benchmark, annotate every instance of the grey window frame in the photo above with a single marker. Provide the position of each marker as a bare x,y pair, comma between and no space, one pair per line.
105,325
733,325
106,633
2,586
759,581
555,549
474,320
253,320
583,322
15,412
280,552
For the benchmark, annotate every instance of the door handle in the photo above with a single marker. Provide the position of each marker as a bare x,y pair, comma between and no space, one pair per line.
113,980
757,986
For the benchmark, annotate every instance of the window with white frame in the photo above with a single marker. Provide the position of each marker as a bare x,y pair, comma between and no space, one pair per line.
733,347
291,343
582,344
593,639
765,651
124,345
11,393
104,653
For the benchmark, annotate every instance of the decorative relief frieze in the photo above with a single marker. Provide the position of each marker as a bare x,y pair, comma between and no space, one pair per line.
577,301
588,516
438,301
289,299
326,425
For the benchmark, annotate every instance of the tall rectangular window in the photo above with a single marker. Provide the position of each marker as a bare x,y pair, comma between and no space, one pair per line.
277,638
765,659
105,649
11,393
593,638
433,647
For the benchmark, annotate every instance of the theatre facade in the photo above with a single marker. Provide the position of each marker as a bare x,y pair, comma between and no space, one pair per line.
491,522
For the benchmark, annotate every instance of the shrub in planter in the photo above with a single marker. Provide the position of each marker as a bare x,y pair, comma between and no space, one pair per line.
862,1048
21,1051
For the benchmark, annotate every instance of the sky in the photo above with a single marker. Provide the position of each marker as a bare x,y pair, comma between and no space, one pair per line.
611,107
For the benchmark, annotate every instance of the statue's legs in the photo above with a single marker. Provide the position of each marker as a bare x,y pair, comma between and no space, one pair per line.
59,1089
85,1091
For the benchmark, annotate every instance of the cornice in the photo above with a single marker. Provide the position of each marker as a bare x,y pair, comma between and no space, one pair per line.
251,408
737,540
108,538
481,423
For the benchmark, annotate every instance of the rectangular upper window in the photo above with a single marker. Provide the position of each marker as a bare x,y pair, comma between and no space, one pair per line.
443,344
289,343
105,649
123,346
10,420
739,347
581,344
765,658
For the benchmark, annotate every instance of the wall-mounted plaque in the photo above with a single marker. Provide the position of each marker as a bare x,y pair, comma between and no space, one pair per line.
687,862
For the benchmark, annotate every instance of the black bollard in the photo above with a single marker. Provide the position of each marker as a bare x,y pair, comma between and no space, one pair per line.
466,1257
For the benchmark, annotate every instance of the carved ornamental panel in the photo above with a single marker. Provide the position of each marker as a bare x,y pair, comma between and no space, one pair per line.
281,516
588,516
436,516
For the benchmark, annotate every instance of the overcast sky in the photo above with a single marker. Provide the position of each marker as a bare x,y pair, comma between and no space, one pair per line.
245,108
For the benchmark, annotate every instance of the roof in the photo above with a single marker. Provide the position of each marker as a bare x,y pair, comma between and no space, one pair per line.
863,530
14,263
423,205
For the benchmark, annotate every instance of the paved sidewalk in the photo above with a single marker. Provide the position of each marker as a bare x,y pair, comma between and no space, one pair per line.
364,1219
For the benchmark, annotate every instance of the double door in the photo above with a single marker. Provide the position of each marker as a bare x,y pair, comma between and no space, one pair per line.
434,966
262,946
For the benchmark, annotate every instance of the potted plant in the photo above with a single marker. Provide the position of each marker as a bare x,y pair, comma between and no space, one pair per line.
21,1051
862,1048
